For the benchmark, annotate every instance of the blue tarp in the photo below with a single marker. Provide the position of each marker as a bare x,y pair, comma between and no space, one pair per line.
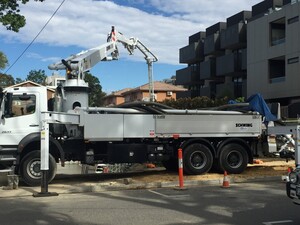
258,104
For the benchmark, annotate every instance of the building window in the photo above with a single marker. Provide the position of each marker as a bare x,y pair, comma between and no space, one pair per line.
293,60
277,32
293,20
277,70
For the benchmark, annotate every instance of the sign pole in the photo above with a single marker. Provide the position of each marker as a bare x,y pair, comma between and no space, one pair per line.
44,162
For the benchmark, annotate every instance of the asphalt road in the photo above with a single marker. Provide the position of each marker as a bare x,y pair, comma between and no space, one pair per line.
242,204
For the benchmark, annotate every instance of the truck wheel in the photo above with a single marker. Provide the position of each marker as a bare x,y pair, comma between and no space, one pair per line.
197,159
233,158
30,168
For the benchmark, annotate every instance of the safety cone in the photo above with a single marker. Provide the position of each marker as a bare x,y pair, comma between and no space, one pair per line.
225,180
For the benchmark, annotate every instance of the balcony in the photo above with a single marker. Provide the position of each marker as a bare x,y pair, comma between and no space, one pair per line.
232,89
223,90
230,64
216,28
234,37
192,53
212,45
239,17
208,69
196,37
226,64
262,7
187,76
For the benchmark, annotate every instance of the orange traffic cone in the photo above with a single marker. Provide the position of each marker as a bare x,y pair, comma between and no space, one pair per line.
225,180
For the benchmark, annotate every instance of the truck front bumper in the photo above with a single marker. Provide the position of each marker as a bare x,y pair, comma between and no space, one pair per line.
293,192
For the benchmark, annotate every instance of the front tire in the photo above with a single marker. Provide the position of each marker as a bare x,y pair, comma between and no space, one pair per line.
197,159
30,168
233,158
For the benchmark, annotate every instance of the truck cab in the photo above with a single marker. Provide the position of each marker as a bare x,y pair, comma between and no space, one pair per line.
19,118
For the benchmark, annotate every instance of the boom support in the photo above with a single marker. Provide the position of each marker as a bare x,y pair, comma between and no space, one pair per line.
131,44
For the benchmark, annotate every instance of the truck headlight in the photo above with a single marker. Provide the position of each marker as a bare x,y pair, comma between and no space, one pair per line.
293,177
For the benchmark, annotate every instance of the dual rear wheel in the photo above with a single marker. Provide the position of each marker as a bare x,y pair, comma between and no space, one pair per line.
233,158
198,159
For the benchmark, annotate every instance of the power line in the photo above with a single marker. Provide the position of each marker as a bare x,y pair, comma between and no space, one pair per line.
35,37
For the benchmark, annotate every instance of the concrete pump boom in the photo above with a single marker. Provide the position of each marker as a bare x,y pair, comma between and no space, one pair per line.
76,65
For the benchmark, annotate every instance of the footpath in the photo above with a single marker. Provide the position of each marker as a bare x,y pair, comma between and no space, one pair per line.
65,183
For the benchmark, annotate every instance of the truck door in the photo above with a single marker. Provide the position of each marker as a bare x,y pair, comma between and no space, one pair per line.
20,118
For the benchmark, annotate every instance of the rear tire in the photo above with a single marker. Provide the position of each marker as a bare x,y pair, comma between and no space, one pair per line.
30,168
233,158
197,159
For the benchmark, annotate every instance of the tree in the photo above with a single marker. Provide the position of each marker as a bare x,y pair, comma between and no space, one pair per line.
37,76
6,80
10,15
18,80
3,61
96,95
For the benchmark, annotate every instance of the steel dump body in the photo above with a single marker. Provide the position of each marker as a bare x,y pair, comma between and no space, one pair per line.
108,127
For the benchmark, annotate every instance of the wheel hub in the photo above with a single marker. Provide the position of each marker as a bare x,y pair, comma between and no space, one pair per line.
35,169
198,160
234,159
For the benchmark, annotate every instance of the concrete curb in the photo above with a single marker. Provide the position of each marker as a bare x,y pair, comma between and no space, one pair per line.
119,186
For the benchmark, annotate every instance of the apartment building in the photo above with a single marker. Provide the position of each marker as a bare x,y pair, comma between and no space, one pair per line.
251,52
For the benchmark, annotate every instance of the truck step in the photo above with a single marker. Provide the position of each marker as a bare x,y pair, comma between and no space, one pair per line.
7,149
6,170
8,159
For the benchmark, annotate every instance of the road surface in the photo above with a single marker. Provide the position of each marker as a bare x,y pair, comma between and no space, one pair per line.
257,203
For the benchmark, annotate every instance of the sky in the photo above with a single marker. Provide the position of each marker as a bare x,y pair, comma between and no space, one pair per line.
162,25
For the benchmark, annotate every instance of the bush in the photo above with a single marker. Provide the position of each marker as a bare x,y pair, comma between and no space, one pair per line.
195,103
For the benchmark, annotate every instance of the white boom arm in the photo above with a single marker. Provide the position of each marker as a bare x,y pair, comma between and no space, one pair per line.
76,65
131,44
